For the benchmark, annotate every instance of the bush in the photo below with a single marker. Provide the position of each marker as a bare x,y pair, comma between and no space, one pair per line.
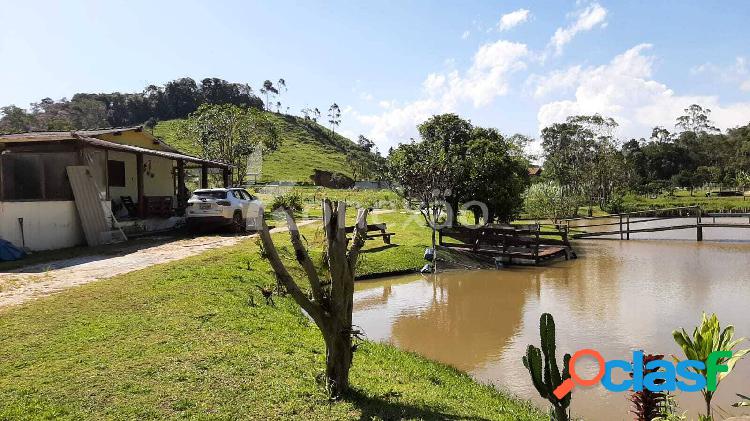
548,200
291,201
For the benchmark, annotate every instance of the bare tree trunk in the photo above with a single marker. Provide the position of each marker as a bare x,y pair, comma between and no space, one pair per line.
339,357
331,304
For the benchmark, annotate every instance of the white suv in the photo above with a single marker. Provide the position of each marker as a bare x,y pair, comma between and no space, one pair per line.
234,207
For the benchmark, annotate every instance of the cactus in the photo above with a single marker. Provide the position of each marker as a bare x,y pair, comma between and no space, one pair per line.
544,373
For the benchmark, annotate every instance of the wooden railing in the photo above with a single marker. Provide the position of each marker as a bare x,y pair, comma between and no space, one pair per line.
505,239
625,222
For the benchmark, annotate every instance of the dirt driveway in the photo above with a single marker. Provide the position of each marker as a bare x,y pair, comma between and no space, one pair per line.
26,283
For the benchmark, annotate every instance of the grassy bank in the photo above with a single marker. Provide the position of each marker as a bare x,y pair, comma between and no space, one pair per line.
683,198
184,340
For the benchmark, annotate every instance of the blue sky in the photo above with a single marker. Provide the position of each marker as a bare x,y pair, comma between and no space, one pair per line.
514,65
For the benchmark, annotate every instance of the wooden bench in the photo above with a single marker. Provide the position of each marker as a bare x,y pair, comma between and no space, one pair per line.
159,206
380,230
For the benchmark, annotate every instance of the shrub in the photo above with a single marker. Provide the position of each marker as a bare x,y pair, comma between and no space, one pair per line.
291,200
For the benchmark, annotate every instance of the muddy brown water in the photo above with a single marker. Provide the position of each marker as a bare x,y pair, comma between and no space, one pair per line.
619,296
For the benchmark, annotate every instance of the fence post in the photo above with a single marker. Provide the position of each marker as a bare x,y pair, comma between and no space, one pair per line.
620,226
698,227
628,226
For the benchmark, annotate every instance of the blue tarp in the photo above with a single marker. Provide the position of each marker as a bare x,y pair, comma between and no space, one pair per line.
10,252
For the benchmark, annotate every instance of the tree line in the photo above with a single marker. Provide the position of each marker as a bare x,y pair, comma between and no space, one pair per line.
176,99
589,165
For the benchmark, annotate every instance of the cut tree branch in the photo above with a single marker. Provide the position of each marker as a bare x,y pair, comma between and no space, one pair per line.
358,238
313,309
303,257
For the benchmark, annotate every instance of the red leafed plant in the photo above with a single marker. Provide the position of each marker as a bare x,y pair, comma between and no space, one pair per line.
646,404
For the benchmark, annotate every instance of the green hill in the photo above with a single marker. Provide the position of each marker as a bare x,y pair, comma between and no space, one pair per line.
305,146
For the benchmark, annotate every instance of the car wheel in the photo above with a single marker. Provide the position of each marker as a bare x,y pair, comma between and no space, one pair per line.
237,223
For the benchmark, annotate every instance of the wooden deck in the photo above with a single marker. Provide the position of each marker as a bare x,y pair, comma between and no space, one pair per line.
504,245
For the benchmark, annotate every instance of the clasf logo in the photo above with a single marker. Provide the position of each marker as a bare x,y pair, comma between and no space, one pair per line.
662,375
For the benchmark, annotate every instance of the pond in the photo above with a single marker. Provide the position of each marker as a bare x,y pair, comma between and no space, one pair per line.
619,296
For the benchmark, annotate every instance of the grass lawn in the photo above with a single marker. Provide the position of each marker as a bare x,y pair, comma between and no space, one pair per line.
182,340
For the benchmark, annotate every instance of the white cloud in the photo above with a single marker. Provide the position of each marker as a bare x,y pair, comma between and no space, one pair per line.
623,89
433,83
366,96
512,19
483,81
465,34
586,20
737,73
385,104
555,81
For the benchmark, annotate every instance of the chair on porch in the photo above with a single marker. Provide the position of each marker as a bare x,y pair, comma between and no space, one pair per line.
127,202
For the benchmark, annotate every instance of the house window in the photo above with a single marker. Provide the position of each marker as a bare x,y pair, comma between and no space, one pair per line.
56,184
42,176
116,173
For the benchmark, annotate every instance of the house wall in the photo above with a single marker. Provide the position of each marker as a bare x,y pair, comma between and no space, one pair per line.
131,181
46,225
162,181
133,138
157,176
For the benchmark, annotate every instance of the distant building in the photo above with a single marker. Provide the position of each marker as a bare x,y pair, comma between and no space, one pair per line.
535,171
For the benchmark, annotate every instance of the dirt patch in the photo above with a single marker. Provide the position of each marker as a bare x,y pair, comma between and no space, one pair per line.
30,282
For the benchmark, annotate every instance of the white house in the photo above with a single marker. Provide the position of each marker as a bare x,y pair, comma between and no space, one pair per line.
138,175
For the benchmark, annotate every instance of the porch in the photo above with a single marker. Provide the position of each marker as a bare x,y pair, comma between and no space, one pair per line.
146,189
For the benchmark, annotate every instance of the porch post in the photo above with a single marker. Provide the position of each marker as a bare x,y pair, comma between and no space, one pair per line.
204,176
139,177
227,173
180,184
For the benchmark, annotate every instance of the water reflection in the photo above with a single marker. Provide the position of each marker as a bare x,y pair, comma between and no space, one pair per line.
619,297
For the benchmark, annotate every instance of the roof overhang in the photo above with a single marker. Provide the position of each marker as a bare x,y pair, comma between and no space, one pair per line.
103,144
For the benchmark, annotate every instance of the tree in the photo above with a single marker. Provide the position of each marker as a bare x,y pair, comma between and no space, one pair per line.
660,134
547,199
230,134
496,174
150,124
455,162
360,163
685,179
88,113
696,120
449,136
330,302
315,114
334,116
282,85
420,169
268,89
182,96
582,156
365,143
15,120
